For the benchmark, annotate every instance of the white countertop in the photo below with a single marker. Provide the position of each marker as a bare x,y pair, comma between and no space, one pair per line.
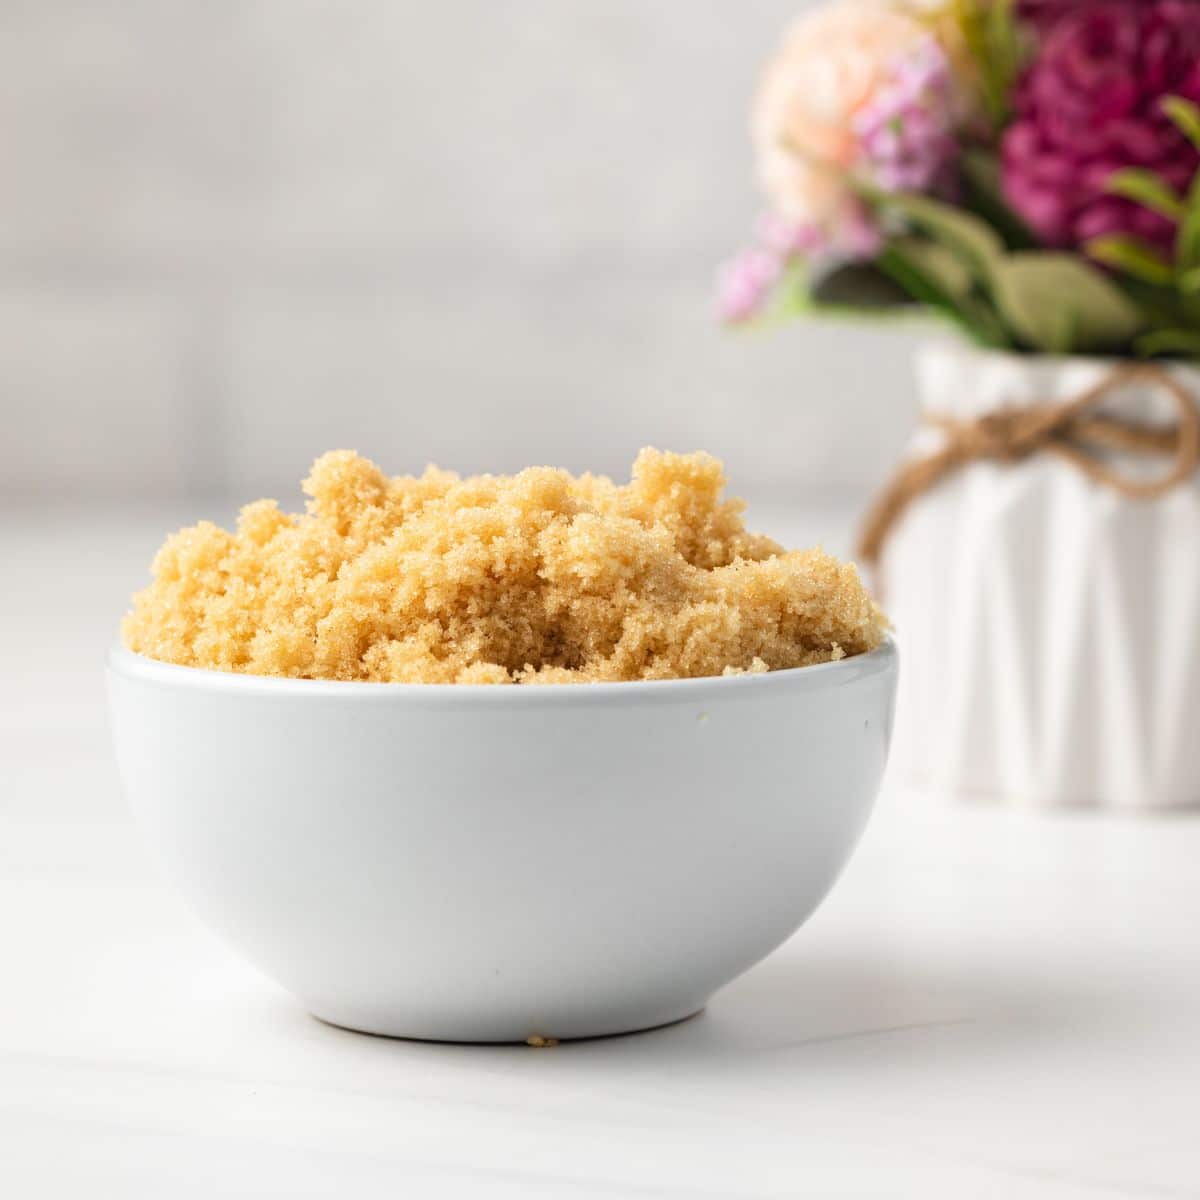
990,1003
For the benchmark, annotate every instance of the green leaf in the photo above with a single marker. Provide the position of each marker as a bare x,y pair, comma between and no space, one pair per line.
1187,239
1165,308
1148,189
858,285
1133,256
993,38
1003,48
1189,280
843,292
789,298
1058,304
972,240
984,195
934,277
1168,341
936,263
794,297
1186,116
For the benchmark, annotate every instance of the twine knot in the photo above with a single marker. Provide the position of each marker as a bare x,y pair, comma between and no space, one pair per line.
1068,429
1010,434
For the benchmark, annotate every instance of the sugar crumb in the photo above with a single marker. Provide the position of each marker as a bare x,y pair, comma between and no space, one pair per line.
534,578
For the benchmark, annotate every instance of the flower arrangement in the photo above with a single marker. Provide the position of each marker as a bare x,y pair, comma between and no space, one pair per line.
1029,169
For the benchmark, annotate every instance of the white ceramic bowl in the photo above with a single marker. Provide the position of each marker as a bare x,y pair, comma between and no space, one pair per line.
494,863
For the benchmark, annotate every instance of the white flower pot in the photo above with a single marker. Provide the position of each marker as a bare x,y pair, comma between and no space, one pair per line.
1049,625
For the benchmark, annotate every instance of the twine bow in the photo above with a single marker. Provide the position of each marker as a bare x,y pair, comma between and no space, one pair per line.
1067,430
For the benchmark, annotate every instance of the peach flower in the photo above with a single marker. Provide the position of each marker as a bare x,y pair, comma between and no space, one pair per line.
833,64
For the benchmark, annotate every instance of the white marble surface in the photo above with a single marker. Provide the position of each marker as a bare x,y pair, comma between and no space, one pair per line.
990,1004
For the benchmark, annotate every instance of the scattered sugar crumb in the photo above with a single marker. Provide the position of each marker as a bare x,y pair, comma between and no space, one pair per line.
756,667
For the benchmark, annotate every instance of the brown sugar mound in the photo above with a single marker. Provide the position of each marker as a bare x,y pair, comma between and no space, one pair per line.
531,578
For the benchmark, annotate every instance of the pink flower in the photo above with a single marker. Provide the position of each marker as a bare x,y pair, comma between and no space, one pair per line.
858,87
744,283
860,91
789,239
1090,104
854,236
906,132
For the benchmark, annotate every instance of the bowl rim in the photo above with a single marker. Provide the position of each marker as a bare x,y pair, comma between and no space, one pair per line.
129,664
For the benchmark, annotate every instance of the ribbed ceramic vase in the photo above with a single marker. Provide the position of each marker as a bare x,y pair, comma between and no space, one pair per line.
1049,625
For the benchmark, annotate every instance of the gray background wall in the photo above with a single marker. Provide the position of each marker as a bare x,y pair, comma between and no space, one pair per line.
235,233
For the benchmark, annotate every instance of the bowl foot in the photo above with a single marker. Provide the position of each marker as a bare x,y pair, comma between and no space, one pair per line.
489,1032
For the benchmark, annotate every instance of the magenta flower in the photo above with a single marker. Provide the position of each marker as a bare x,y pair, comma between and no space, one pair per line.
1090,104
1041,14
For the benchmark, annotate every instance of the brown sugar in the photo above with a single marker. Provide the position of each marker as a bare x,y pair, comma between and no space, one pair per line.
538,577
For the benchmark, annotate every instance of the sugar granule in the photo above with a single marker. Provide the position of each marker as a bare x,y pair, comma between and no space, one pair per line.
538,577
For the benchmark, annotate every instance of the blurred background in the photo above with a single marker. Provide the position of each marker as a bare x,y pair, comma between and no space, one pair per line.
238,233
